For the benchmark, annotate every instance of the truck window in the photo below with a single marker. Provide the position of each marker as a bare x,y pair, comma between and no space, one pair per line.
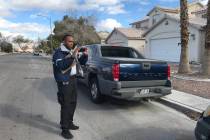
110,51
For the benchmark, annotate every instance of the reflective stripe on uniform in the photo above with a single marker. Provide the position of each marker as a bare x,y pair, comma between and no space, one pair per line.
57,61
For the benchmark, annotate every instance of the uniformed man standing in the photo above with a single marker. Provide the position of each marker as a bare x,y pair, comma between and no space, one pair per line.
64,68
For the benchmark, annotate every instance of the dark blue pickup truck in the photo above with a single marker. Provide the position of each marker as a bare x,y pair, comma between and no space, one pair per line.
122,72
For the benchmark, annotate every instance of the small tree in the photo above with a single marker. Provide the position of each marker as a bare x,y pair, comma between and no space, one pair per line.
43,45
20,40
81,28
55,44
6,47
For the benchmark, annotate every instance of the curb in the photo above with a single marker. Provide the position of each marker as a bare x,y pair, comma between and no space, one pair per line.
46,57
191,79
3,54
191,112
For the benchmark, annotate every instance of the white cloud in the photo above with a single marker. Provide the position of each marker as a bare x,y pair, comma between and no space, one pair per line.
108,24
29,30
6,33
141,2
169,0
204,2
47,4
117,9
109,6
40,14
103,2
144,2
4,9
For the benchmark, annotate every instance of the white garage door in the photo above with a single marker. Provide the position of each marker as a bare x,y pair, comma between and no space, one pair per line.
165,49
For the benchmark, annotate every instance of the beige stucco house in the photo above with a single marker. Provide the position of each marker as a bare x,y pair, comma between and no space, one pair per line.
103,35
162,34
127,37
163,39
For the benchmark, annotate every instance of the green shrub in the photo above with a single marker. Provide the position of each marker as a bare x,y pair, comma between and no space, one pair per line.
6,47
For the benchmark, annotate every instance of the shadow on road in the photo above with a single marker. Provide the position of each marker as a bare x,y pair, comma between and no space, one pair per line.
152,133
110,103
84,101
19,117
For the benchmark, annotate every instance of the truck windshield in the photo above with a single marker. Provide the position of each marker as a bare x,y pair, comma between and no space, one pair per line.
110,51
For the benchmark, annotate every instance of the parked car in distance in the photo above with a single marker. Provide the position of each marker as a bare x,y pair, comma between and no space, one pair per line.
122,72
36,53
202,130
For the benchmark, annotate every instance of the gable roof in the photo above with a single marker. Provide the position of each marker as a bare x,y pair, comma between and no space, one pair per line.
139,21
173,10
201,11
164,9
197,22
196,2
129,33
103,34
170,11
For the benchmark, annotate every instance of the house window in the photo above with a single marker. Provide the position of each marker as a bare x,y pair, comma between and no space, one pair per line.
153,21
155,18
193,36
166,23
138,25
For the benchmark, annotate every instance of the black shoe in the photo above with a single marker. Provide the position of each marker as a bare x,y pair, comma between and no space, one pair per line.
73,127
66,134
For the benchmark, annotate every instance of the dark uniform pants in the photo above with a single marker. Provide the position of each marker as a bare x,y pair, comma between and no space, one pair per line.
67,98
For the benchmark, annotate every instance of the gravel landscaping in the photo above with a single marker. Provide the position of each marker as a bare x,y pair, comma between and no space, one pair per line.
193,83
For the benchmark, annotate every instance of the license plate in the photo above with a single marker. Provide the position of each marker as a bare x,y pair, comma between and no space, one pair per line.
144,91
140,92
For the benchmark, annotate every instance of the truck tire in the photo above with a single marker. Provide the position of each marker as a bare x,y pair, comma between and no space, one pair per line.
95,93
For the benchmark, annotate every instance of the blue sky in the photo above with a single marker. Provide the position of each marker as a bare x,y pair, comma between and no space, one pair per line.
20,16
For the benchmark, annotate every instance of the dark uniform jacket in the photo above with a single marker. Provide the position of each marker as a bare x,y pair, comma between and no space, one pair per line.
61,63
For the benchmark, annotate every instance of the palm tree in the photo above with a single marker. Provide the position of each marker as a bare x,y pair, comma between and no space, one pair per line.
184,66
206,60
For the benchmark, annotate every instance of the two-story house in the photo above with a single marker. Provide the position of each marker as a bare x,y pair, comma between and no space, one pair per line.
159,33
162,35
158,12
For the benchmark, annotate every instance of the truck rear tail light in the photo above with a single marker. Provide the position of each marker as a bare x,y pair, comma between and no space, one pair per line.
116,72
169,72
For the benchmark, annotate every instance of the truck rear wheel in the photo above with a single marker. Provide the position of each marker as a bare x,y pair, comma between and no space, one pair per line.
95,93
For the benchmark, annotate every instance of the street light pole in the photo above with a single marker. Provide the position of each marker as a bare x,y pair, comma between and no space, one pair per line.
49,18
51,47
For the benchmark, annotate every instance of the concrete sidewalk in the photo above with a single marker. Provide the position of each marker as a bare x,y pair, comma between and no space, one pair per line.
2,53
187,101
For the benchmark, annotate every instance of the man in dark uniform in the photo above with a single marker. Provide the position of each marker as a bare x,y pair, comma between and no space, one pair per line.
64,68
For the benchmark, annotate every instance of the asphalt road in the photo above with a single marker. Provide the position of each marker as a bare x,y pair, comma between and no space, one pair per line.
29,109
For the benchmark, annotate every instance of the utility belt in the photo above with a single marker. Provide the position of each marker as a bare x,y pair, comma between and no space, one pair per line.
67,83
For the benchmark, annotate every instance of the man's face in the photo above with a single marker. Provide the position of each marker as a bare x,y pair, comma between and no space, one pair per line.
69,42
